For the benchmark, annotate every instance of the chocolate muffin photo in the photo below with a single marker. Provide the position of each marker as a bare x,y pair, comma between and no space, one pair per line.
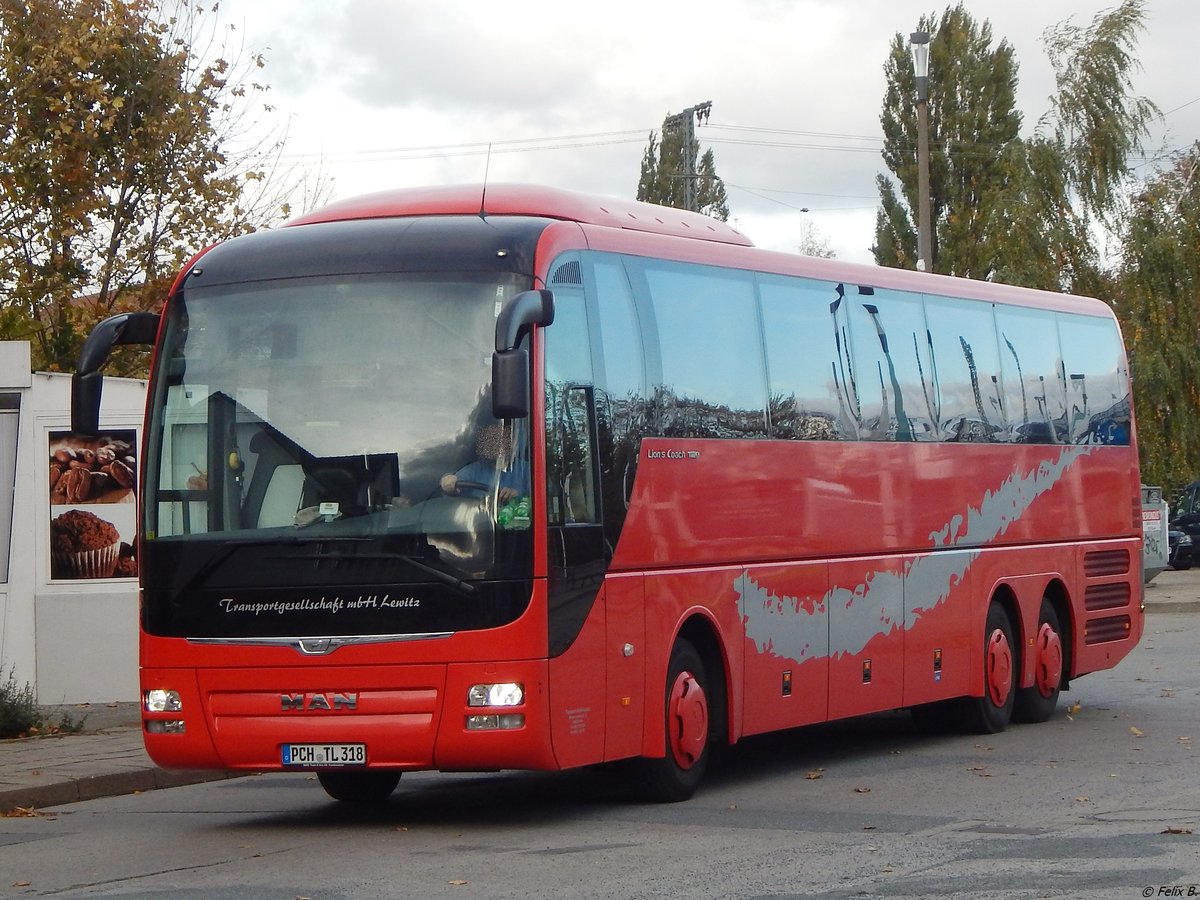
82,545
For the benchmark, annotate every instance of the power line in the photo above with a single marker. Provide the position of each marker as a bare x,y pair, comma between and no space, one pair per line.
762,195
809,193
821,134
1181,106
476,148
791,145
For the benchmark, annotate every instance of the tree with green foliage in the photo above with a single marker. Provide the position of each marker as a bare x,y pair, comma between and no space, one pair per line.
115,160
1159,289
664,170
972,119
1008,208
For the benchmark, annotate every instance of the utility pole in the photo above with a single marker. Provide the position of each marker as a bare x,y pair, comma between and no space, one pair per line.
687,121
919,44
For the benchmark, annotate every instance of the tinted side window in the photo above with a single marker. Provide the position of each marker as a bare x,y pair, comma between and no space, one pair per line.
1096,381
622,372
798,330
568,345
895,373
570,492
623,413
1030,361
968,401
712,378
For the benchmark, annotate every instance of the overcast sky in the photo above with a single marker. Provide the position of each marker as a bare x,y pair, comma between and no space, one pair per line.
393,93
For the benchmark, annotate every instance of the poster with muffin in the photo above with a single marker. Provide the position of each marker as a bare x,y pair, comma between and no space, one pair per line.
93,505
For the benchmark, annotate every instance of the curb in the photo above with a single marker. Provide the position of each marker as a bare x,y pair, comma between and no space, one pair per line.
95,787
1172,606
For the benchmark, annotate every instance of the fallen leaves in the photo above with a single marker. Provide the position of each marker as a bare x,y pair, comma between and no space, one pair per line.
814,774
25,812
1176,829
1136,732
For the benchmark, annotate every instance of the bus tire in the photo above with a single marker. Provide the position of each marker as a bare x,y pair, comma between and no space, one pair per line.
1037,702
992,712
363,787
687,700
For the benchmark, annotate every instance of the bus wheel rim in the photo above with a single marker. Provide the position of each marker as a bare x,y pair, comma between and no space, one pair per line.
1049,662
999,667
687,720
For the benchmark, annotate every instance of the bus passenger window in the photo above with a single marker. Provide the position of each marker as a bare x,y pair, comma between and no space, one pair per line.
967,356
1029,365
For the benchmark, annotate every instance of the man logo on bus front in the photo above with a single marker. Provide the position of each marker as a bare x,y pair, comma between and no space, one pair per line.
317,702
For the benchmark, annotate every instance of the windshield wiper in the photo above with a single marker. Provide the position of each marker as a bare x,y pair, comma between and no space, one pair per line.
226,550
417,562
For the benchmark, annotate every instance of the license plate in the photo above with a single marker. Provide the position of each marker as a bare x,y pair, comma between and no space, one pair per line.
324,754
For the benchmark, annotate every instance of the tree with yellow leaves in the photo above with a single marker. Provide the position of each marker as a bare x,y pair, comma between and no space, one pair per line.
115,160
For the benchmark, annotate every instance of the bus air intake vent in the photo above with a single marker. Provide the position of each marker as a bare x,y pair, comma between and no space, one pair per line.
568,273
1106,596
1102,631
1106,562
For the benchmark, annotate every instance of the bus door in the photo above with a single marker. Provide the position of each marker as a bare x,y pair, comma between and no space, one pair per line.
578,557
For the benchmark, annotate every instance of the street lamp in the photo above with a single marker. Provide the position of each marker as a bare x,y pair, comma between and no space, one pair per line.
919,44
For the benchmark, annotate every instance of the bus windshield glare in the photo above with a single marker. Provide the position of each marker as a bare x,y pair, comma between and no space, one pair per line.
316,410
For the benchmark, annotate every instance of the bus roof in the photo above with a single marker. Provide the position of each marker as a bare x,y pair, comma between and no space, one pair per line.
528,200
605,218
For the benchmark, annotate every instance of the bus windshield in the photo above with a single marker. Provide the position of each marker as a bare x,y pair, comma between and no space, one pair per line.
355,409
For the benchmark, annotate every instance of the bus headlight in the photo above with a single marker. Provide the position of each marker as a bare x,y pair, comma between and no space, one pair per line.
160,701
503,694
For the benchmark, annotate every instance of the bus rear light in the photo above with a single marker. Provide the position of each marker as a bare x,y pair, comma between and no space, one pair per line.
505,722
503,694
160,701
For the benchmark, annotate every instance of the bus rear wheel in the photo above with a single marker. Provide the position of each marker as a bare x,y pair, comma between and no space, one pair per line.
993,711
359,787
679,772
1037,702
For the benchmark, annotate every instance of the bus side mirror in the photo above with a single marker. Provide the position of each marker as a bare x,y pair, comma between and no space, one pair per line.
510,384
87,382
510,366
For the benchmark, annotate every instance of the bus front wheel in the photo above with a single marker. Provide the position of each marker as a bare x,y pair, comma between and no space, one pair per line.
360,786
679,772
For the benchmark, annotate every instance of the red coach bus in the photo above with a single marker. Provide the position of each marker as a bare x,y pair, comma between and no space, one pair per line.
475,479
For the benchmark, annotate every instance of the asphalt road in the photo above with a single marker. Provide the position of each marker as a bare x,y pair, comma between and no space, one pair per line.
1102,801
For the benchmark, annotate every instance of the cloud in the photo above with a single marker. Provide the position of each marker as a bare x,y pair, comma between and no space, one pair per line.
396,92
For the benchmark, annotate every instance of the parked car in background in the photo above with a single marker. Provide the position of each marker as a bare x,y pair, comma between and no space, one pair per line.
1185,510
1184,525
1180,554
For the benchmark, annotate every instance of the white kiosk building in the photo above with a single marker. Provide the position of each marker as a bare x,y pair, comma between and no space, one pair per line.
68,566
